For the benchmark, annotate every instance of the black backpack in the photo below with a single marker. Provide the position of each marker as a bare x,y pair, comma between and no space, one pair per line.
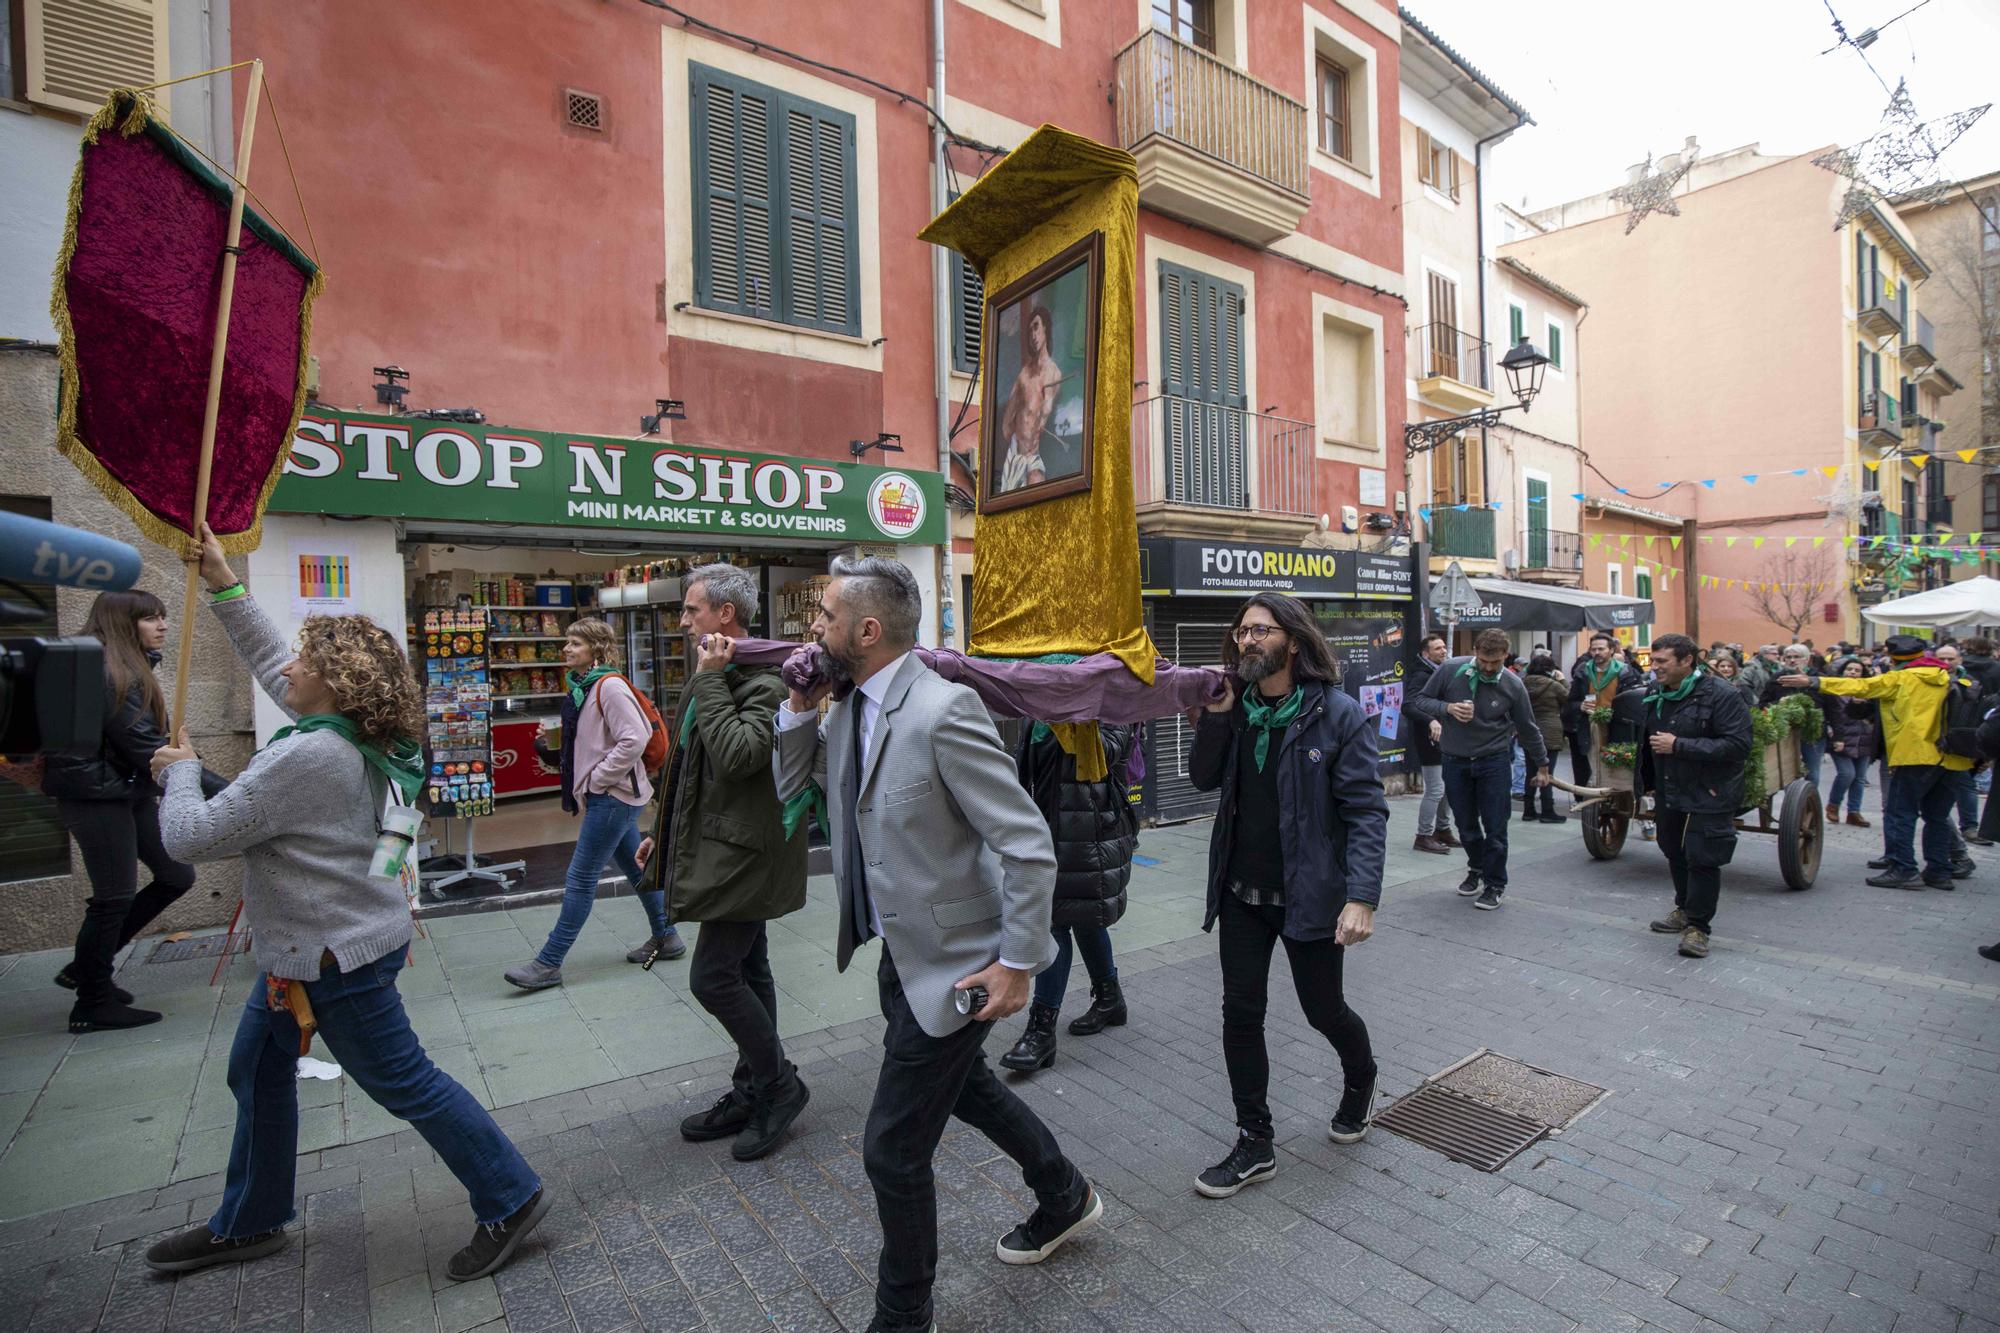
1958,724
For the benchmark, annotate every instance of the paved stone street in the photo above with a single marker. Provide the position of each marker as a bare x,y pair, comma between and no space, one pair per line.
1799,1135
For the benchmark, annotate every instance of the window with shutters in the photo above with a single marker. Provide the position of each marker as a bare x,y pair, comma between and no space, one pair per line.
1437,165
1989,503
968,313
33,844
1642,587
77,51
776,231
1517,325
1334,116
1204,404
1555,347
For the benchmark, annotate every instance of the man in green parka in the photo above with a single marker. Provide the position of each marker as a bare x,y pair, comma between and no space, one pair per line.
729,862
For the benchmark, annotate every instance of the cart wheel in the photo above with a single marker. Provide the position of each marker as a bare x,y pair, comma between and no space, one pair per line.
1604,828
1801,834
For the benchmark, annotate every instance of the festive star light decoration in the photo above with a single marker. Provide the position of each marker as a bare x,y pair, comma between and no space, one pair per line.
1653,192
1900,161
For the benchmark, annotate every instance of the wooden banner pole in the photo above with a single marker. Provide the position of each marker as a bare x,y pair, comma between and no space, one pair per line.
224,299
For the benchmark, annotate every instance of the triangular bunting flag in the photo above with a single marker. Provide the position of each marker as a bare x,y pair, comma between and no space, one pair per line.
1650,540
1708,482
1798,472
1596,537
1917,461
1757,543
1751,477
1944,536
1791,542
1818,542
1966,455
1974,537
1730,541
1624,539
1461,508
1621,490
1833,471
1676,541
1872,464
1424,512
1576,495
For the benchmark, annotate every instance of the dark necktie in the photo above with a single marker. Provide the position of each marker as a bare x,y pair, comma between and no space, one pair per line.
857,865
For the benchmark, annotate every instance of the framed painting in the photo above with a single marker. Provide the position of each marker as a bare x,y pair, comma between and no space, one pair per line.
1039,414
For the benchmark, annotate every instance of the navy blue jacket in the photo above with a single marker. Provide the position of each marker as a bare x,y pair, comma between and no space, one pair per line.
1333,816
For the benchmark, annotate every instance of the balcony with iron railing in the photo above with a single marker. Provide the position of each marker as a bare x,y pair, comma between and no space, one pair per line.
1453,367
1208,469
1884,307
1465,534
1548,553
1880,420
1919,347
1213,145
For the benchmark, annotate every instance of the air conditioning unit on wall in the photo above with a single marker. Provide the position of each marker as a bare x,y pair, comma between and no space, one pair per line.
1511,560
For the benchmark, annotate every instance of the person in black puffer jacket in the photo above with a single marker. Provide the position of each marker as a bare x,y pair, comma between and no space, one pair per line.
1096,831
109,804
1853,724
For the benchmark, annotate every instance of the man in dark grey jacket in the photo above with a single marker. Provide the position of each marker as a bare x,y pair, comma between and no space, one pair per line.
1295,854
1483,708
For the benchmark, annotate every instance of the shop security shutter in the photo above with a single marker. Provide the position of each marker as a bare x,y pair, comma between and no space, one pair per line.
1189,632
79,50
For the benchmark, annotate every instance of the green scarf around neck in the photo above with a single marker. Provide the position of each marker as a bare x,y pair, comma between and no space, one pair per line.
1599,679
1471,669
1267,718
1681,691
579,686
402,764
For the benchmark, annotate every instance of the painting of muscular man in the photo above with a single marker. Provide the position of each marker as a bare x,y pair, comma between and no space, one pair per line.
1040,381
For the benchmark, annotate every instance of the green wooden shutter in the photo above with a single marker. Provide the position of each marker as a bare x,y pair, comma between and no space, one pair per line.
1516,325
822,264
968,312
734,256
1538,523
1201,354
1555,346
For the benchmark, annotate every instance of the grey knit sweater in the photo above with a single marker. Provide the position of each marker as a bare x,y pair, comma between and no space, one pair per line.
304,816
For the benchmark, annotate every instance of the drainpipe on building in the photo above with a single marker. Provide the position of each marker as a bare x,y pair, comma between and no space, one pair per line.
1479,233
941,334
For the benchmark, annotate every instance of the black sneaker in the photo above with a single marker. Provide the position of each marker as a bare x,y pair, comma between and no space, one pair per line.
1963,867
200,1248
67,980
1250,1161
1469,885
108,1016
769,1119
1990,952
1354,1114
1895,879
1881,863
728,1116
1044,1232
1972,836
1944,884
493,1245
1489,900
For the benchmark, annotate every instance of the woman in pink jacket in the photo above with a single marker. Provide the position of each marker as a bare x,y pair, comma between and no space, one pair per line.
604,735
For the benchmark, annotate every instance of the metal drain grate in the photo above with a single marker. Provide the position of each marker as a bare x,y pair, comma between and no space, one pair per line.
1464,1130
1499,1081
201,946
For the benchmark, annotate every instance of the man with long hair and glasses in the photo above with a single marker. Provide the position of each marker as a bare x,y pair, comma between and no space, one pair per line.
1483,708
1295,855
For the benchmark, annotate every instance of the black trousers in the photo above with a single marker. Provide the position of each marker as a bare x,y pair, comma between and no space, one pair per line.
1579,757
731,977
1697,889
925,1081
115,837
1248,934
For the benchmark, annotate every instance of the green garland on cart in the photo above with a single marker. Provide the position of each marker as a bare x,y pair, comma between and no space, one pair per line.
1795,712
1621,754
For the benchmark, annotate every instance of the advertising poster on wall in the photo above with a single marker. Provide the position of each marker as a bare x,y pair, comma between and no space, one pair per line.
1372,652
323,570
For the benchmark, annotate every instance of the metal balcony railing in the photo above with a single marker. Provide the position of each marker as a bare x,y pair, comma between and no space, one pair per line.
1884,306
1453,353
1920,347
1168,88
1546,548
1216,457
1881,419
1462,532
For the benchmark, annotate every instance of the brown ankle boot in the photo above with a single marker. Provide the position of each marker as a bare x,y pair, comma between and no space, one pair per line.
1854,818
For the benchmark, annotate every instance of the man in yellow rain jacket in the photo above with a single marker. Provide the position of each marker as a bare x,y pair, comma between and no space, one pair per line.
1920,783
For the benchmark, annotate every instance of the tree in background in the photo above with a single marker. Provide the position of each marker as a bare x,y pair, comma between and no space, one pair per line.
1795,582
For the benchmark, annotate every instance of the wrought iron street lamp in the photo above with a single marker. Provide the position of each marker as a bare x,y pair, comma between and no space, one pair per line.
1524,365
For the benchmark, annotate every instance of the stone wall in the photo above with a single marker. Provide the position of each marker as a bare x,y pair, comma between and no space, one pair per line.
44,913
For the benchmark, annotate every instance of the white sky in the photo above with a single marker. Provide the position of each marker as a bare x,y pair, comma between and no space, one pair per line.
1607,80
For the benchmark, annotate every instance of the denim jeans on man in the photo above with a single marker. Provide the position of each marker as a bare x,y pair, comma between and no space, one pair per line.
1850,778
1480,802
1926,791
1809,757
925,1081
1427,810
1965,790
610,830
362,1022
1094,943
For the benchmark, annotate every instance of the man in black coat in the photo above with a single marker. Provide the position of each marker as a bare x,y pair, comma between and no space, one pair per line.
1697,735
1434,814
1594,680
1096,830
1295,855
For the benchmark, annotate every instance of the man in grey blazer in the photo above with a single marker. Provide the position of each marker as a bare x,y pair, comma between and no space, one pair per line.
939,851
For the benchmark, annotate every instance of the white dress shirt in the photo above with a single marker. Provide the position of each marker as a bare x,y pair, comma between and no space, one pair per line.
872,690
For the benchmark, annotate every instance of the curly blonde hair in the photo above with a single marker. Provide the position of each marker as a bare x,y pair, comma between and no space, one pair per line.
372,683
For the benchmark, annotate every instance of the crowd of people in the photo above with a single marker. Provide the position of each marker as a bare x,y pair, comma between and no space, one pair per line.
983,871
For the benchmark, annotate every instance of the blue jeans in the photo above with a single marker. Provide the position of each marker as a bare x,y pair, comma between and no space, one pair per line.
610,832
1850,777
1480,802
1809,757
1094,943
362,1022
1915,790
1966,791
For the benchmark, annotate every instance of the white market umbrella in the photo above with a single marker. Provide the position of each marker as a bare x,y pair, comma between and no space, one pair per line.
1975,601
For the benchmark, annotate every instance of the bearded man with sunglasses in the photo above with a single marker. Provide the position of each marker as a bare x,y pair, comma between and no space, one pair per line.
1295,855
1483,707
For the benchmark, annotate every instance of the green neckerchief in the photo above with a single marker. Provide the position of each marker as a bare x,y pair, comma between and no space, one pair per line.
1598,682
1267,718
403,764
579,686
1660,698
1478,677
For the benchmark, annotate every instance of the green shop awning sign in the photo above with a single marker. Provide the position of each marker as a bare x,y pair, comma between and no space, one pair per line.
348,463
